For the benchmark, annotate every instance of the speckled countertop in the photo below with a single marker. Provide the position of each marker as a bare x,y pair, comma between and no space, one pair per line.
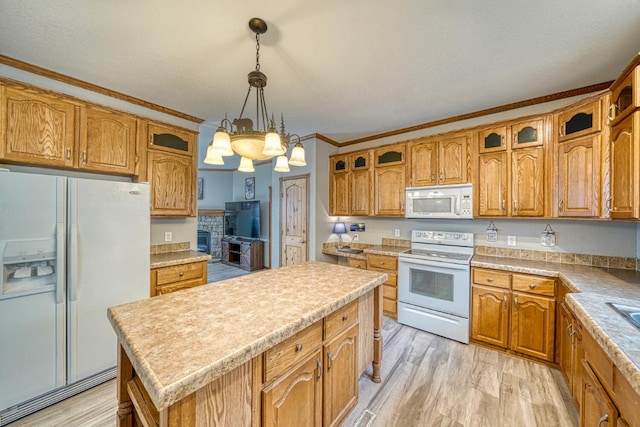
593,287
390,250
191,337
177,258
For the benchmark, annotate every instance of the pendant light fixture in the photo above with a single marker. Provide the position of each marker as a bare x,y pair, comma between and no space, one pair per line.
262,143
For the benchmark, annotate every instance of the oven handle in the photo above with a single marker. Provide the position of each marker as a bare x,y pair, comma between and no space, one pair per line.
429,263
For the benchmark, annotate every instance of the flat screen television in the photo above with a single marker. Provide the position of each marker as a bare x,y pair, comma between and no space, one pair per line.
242,219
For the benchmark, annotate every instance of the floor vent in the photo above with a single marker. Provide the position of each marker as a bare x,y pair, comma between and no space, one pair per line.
365,419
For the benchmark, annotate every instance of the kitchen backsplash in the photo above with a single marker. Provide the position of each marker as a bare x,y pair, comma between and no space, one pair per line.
165,248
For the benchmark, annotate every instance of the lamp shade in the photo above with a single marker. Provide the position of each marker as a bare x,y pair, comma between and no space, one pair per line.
213,158
297,156
246,165
282,164
272,144
339,228
221,144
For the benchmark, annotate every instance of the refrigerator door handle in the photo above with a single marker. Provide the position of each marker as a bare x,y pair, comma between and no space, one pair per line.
60,262
73,264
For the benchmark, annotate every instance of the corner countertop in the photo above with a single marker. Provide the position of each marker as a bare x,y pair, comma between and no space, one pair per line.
177,258
389,250
592,287
190,338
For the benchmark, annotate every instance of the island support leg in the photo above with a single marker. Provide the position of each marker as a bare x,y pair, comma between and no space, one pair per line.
125,374
377,335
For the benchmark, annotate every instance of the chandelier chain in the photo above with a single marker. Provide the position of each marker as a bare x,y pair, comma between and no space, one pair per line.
257,51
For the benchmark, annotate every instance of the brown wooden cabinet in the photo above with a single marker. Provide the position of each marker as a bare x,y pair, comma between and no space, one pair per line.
339,185
37,127
389,180
625,93
624,147
174,278
596,407
108,141
493,185
171,170
244,253
579,177
351,184
527,182
440,160
570,351
514,311
387,264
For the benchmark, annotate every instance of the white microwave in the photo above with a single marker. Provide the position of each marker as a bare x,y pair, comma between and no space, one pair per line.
440,201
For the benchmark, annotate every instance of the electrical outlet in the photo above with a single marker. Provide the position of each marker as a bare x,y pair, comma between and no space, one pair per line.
511,240
396,232
168,236
355,237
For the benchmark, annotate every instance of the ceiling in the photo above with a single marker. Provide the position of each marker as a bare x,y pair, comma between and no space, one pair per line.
345,69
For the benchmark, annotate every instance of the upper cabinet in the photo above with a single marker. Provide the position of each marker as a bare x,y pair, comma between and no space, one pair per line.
37,128
625,95
108,141
389,180
625,168
440,160
171,170
339,188
351,184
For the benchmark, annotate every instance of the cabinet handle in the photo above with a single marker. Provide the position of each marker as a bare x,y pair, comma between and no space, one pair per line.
569,327
603,419
298,347
68,154
441,177
502,140
608,204
515,206
561,129
515,303
433,177
532,285
344,318
503,205
504,302
302,241
319,368
515,138
328,360
610,112
84,157
572,334
560,205
490,279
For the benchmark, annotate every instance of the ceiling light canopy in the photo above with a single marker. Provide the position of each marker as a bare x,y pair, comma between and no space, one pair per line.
262,143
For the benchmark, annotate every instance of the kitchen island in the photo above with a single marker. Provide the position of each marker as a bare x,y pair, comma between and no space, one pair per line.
246,351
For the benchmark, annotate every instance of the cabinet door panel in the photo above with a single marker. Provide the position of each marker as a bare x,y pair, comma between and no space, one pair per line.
171,179
453,161
361,192
390,190
37,128
624,167
533,325
424,164
579,177
296,398
107,142
490,315
596,407
341,376
527,182
492,185
339,203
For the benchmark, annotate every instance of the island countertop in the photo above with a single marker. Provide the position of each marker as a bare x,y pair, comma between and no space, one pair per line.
179,342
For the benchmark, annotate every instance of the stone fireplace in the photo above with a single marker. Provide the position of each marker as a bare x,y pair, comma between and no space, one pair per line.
211,221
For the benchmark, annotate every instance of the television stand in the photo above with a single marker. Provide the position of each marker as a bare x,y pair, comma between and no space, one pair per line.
247,254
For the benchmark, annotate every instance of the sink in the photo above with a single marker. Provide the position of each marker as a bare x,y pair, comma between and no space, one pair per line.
357,251
631,313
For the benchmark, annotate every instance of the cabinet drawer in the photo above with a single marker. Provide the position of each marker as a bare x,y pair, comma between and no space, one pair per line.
337,321
390,292
177,286
599,361
383,262
389,306
535,285
491,278
358,263
179,273
291,351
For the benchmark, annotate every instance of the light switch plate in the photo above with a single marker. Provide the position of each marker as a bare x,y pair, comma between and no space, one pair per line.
168,236
511,240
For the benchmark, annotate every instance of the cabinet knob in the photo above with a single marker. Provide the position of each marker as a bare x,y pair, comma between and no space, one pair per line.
299,347
181,273
490,279
532,286
345,317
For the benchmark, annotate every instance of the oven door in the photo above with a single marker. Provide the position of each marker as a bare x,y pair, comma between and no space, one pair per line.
439,286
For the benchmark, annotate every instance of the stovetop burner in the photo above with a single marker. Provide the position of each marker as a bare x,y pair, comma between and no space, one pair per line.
451,247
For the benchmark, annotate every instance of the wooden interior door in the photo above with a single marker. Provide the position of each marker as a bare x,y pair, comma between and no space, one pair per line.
294,220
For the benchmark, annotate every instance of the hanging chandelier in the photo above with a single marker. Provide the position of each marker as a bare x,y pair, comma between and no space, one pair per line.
262,143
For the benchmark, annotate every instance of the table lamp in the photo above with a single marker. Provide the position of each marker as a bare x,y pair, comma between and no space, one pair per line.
339,228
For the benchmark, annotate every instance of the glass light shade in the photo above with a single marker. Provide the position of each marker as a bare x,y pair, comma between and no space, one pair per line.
282,164
272,145
297,156
222,143
246,165
339,228
213,158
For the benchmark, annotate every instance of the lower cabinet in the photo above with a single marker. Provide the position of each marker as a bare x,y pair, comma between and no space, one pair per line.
596,407
177,277
514,311
341,376
387,264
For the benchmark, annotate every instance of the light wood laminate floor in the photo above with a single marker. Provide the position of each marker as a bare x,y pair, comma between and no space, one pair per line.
427,381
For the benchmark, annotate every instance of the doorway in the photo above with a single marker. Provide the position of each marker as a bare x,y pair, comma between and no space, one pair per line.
294,219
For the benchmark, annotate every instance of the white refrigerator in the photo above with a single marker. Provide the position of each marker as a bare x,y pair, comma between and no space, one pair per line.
69,249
